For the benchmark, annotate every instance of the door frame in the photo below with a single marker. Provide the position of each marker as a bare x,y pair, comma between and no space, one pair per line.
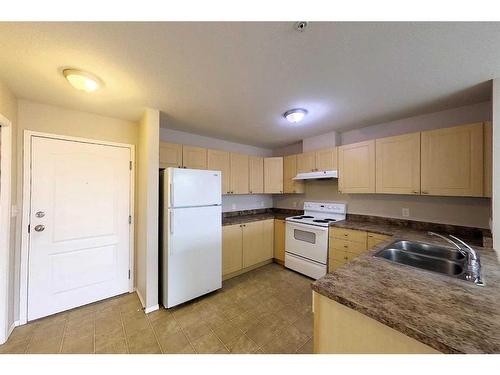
5,224
28,134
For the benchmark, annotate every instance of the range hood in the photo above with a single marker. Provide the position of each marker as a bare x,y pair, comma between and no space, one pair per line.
316,175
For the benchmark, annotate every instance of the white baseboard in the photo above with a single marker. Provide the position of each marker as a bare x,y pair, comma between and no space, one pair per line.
151,309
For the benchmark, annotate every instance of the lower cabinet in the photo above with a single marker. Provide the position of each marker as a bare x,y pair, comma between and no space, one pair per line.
374,239
246,245
279,241
347,244
232,249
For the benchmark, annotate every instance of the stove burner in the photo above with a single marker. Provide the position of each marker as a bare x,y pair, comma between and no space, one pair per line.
327,219
302,217
297,217
320,221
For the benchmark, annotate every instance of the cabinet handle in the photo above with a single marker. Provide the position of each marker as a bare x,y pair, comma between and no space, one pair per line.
250,191
425,192
346,246
415,191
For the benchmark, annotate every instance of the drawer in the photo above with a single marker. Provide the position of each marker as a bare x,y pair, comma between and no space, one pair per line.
374,239
349,246
348,234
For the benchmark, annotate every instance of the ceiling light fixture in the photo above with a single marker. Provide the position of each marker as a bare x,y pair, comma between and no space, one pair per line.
81,80
295,115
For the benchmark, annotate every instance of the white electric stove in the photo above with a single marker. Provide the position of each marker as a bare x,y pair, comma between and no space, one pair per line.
306,240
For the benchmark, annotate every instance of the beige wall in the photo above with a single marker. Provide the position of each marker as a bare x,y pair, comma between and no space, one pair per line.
8,108
56,120
147,210
472,212
452,210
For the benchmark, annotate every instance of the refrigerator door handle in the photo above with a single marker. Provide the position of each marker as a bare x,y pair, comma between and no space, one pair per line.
171,196
171,222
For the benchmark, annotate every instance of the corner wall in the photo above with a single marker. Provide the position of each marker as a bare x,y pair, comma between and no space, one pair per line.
147,210
496,162
8,108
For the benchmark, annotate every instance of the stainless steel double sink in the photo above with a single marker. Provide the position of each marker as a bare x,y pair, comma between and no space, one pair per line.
434,258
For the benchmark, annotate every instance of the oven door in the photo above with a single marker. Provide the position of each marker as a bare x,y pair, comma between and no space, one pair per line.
307,241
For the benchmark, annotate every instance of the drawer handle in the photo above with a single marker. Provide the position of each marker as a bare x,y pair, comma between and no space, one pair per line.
346,246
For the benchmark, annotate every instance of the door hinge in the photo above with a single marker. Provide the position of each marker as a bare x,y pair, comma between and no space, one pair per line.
129,274
129,219
29,228
130,165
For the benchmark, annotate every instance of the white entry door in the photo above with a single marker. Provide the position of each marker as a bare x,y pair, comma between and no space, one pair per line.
79,224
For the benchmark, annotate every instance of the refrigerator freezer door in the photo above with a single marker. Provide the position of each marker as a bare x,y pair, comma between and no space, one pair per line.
193,253
193,187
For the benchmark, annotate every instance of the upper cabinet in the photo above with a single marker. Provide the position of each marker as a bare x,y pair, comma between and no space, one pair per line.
170,155
326,159
488,158
239,173
194,157
273,175
320,160
306,162
357,167
289,172
452,161
220,161
398,164
256,175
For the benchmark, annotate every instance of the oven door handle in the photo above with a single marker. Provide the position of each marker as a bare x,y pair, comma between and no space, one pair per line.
308,227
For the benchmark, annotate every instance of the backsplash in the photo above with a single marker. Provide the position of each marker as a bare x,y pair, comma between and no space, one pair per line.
246,202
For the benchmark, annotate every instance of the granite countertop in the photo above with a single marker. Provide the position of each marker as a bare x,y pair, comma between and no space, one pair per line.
447,314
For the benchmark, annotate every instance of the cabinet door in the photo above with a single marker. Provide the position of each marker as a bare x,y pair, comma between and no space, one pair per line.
257,242
220,161
488,157
326,159
273,175
452,161
289,172
306,162
357,167
239,174
256,175
170,155
374,239
398,164
194,157
279,240
232,249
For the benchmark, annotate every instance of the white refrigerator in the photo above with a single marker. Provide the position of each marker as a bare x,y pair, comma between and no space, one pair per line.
191,234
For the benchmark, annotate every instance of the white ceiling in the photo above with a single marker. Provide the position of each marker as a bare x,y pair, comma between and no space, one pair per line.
234,80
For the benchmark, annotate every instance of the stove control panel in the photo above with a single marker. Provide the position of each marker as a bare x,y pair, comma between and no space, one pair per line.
326,207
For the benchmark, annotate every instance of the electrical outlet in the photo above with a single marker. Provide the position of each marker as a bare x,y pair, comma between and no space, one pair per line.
405,212
262,204
233,206
294,203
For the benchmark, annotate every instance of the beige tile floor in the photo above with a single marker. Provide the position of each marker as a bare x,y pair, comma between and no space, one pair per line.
267,310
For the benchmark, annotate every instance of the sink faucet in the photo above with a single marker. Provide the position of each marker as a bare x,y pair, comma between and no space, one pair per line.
473,262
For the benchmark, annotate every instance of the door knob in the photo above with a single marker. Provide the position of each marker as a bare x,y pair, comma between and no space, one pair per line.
40,228
40,214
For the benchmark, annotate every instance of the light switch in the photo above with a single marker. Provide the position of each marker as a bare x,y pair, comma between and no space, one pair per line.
405,212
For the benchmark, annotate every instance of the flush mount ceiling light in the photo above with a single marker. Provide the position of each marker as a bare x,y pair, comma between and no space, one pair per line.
295,115
81,80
